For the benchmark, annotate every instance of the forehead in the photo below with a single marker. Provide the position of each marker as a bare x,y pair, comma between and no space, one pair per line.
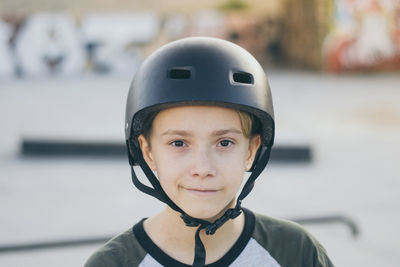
197,118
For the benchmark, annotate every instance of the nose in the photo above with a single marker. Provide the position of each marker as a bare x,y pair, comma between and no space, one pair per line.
202,165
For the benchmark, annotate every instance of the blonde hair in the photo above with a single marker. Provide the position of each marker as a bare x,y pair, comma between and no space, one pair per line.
246,122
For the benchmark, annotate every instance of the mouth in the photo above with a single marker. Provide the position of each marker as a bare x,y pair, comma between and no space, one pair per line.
201,191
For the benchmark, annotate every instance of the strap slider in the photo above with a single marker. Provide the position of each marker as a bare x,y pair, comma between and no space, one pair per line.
188,221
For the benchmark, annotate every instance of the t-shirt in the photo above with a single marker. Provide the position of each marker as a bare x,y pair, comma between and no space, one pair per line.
264,241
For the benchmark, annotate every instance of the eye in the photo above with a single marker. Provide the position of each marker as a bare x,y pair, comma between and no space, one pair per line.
225,143
178,143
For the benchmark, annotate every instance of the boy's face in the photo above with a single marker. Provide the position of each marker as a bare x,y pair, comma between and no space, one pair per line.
200,155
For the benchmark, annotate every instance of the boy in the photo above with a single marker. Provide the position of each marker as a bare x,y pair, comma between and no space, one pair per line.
199,114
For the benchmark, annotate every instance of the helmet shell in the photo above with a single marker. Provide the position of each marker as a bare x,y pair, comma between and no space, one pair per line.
199,71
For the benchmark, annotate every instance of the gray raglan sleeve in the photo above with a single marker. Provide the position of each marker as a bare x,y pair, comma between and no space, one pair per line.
317,253
289,243
123,250
103,258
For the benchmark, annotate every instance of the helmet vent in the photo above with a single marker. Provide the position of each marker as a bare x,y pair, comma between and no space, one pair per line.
179,74
243,77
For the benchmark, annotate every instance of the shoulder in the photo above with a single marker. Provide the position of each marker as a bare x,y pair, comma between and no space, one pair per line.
122,250
289,243
270,229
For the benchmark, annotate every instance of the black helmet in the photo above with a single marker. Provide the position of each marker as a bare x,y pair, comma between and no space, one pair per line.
199,71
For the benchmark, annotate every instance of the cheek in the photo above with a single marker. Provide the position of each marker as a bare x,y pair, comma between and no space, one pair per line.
234,175
168,180
168,169
235,167
235,160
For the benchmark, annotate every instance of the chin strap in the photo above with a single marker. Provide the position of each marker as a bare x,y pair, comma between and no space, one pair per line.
199,249
210,228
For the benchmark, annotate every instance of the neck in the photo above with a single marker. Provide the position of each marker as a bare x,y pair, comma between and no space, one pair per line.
170,234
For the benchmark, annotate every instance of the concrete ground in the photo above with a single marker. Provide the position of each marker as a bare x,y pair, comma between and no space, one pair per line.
351,122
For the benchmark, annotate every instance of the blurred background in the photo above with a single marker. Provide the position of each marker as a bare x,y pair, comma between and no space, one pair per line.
65,70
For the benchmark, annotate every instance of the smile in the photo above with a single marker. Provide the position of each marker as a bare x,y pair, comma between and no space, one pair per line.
201,192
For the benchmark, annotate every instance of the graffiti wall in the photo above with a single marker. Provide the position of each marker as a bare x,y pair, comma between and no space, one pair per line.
58,44
365,35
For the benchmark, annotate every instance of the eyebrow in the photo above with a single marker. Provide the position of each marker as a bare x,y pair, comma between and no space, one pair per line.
188,133
225,131
176,132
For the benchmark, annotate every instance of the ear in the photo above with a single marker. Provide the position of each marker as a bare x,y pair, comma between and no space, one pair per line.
254,144
146,152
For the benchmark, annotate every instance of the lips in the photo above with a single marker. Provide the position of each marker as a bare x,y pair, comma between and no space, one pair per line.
201,191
